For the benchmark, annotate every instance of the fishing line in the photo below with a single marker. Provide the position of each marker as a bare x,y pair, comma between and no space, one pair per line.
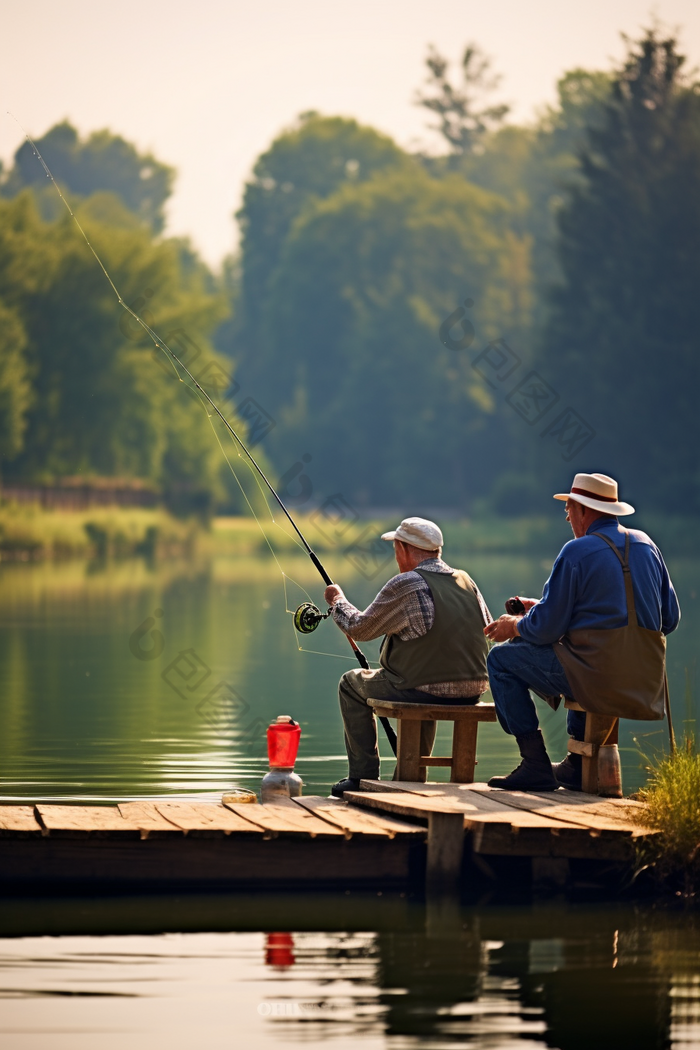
162,345
205,400
285,575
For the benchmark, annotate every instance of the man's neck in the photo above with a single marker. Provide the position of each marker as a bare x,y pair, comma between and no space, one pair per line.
425,561
601,522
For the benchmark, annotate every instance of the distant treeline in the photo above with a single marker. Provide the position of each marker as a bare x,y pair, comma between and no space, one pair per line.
455,331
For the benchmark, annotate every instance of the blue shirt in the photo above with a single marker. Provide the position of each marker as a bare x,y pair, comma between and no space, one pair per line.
587,588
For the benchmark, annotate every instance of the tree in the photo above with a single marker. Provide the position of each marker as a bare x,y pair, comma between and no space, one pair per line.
103,161
305,164
532,167
623,331
361,380
461,122
103,401
15,386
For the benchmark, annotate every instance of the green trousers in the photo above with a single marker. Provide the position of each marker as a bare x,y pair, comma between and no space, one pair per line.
355,689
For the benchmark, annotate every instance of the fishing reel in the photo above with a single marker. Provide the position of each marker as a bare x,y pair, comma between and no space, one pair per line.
307,617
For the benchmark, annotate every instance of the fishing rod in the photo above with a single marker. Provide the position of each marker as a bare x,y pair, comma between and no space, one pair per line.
308,616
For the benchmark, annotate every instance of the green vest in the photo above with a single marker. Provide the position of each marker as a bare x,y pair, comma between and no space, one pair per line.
453,650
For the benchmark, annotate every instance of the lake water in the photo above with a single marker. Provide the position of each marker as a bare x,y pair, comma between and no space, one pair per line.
90,710
94,705
372,974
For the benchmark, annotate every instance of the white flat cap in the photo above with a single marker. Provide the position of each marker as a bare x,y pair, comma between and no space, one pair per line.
419,532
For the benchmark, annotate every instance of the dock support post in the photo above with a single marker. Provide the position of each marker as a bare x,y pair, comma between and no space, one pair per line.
445,850
550,874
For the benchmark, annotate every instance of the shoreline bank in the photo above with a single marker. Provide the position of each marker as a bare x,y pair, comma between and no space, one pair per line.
33,533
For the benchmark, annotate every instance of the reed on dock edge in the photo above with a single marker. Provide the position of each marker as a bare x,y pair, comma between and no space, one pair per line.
672,799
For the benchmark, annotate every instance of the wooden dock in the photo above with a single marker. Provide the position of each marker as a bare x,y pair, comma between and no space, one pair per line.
478,823
389,835
165,844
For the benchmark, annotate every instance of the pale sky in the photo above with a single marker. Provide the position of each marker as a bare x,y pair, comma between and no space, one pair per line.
207,86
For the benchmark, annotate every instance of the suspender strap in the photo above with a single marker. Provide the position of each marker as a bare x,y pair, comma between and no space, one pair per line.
625,563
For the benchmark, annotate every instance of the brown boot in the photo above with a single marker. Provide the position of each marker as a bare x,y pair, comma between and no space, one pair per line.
568,772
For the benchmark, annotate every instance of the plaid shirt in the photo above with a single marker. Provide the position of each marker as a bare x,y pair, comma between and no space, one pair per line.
405,607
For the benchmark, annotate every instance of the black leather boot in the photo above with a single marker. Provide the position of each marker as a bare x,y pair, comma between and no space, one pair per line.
568,772
534,772
349,784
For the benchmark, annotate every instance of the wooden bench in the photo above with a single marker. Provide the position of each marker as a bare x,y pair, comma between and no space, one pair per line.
600,769
410,764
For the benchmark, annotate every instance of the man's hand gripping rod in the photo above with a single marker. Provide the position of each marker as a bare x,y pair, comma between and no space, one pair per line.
361,658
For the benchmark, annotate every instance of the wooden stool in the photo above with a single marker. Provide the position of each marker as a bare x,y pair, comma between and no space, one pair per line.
601,731
410,764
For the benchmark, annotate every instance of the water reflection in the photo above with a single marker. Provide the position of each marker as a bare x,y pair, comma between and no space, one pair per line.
570,977
84,717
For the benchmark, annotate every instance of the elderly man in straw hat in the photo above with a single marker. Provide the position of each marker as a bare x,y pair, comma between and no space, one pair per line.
432,618
597,635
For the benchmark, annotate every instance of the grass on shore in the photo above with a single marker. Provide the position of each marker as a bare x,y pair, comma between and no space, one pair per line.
30,532
493,535
543,535
672,809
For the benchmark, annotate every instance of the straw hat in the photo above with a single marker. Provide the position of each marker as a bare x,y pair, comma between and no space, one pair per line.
597,491
419,532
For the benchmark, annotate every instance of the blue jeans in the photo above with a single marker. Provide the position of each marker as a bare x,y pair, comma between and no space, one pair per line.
517,666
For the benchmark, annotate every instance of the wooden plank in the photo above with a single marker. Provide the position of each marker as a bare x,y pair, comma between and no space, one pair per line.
434,712
506,833
146,815
280,818
596,813
354,821
598,729
577,843
621,811
19,819
581,747
555,809
462,795
463,752
408,786
475,810
86,819
205,817
445,851
62,862
408,766
583,798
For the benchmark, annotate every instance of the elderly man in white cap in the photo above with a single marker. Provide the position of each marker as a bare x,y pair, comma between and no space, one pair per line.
597,635
432,618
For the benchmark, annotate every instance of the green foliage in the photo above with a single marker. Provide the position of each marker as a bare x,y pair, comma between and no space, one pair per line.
461,122
532,167
97,532
353,253
103,400
364,282
15,386
345,275
622,334
305,164
103,162
673,810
